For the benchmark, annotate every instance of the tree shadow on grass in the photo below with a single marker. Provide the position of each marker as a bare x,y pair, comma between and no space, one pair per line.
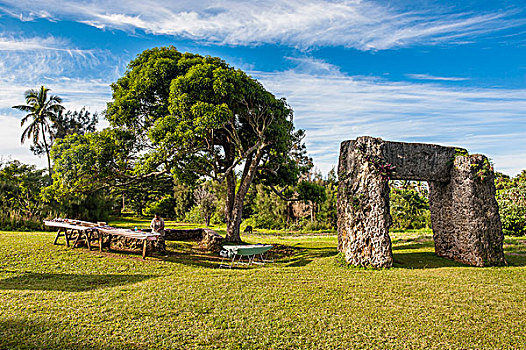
307,255
16,333
429,260
67,282
187,253
422,260
409,246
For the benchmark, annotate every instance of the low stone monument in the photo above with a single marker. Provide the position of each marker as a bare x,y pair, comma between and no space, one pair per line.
464,213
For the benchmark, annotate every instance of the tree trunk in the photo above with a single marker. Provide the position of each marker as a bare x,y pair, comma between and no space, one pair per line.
233,224
234,207
47,153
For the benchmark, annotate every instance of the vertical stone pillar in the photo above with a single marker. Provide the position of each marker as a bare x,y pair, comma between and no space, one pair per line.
464,214
363,205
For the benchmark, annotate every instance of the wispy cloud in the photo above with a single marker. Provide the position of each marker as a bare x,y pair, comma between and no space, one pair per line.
364,25
80,77
336,107
50,43
433,77
77,93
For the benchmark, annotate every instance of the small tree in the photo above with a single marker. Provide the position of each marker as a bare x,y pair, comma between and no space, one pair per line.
313,194
206,202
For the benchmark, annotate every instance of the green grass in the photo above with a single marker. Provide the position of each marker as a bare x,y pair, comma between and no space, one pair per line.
53,297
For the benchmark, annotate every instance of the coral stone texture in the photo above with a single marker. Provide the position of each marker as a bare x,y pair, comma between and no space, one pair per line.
464,213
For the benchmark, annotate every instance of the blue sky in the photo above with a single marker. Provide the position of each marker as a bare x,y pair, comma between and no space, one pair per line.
445,72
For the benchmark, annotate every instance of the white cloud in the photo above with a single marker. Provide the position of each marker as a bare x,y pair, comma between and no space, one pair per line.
433,77
12,43
335,107
364,25
27,63
92,94
11,148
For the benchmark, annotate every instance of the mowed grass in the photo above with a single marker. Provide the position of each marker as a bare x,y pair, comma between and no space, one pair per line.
53,297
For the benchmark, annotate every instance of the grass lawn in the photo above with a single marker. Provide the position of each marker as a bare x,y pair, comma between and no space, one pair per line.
53,297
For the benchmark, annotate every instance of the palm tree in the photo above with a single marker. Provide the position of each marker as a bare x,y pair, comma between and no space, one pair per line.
41,110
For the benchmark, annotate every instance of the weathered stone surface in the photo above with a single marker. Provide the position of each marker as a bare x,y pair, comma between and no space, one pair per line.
464,214
464,211
418,160
211,240
208,239
363,207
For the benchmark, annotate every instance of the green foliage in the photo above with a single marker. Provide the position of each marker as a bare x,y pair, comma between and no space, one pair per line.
183,200
511,197
143,194
164,207
198,118
483,170
85,163
327,214
311,192
206,202
73,122
409,205
94,206
21,207
194,215
461,152
269,210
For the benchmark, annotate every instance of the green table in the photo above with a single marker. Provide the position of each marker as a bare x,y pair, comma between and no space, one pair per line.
251,251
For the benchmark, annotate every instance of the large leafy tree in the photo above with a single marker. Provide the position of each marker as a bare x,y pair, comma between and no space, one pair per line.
198,119
41,109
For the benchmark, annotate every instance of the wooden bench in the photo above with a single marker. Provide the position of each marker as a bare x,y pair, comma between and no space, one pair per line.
64,226
86,229
146,237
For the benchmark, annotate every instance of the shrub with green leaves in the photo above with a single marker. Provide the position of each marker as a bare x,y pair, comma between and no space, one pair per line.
511,197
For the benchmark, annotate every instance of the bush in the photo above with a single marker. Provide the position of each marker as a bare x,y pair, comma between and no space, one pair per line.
409,207
194,215
163,207
513,217
512,208
12,221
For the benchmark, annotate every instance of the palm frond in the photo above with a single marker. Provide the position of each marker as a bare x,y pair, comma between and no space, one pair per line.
24,108
24,120
55,98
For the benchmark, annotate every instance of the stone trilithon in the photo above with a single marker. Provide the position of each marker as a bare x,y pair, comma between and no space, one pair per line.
464,213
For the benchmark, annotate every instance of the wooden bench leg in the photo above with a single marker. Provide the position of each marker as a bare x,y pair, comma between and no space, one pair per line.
100,241
59,233
57,236
67,238
144,248
76,239
87,234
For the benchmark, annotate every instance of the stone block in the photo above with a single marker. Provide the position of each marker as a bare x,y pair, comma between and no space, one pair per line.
464,212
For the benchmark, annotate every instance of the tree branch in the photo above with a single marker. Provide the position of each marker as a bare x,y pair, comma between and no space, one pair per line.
280,195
